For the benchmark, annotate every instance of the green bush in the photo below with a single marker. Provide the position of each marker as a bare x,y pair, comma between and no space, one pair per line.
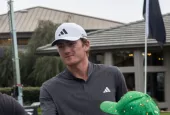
165,113
6,90
30,94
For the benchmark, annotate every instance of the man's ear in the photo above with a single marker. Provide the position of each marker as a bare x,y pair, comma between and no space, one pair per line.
87,45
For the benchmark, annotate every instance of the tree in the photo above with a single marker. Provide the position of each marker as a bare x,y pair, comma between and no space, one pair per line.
34,69
43,35
45,68
7,68
37,69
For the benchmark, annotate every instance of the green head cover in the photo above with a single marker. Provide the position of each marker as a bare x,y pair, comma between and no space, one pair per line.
132,103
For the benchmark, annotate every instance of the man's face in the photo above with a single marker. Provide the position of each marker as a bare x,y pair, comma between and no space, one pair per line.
72,52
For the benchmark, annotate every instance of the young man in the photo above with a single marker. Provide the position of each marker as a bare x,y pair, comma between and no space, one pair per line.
82,86
9,106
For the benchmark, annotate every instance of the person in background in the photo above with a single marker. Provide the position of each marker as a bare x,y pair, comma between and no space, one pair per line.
9,106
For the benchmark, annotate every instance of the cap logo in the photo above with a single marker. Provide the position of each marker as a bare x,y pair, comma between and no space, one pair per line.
63,31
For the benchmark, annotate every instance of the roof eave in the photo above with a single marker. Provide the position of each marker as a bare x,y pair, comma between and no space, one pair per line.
48,50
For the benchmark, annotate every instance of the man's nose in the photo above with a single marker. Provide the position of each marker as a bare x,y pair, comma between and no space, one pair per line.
67,49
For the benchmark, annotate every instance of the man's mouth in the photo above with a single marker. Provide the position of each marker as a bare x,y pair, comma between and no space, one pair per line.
68,56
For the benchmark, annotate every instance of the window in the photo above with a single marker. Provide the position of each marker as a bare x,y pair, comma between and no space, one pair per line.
5,41
130,81
97,58
22,41
154,58
123,58
155,85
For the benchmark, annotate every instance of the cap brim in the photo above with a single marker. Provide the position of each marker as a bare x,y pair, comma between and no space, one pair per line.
109,107
66,38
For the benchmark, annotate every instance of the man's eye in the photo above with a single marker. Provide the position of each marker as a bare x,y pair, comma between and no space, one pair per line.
60,46
72,43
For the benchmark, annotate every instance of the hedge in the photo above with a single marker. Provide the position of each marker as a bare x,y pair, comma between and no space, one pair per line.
30,94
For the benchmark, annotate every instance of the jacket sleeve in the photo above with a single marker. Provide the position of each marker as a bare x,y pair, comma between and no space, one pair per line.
46,103
121,86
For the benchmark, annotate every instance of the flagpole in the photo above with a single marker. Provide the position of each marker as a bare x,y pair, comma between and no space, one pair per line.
146,38
15,49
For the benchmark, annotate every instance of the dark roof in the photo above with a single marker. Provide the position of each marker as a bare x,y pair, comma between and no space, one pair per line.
131,35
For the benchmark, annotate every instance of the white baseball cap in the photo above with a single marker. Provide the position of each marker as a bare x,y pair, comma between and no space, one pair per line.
70,32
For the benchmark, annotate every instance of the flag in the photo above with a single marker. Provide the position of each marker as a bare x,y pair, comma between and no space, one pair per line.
155,23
